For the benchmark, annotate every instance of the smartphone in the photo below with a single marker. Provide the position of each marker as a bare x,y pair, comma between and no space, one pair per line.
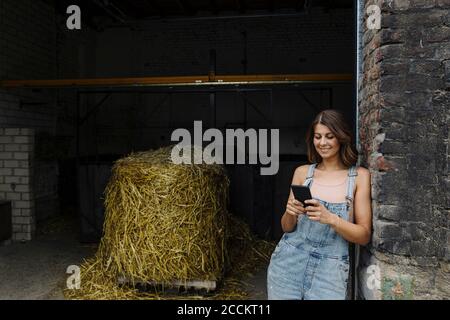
301,193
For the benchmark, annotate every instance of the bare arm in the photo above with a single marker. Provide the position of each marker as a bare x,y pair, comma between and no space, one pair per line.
360,231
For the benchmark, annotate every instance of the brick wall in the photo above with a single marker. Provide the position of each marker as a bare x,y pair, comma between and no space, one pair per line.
35,44
308,43
404,135
27,51
27,39
16,174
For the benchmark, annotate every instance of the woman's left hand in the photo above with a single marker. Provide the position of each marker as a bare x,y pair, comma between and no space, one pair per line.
317,212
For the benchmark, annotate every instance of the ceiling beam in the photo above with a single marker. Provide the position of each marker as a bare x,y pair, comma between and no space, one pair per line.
220,80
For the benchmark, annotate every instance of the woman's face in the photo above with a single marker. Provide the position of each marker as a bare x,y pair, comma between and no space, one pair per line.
325,142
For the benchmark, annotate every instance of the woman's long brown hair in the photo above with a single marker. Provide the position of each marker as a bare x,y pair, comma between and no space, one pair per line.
335,121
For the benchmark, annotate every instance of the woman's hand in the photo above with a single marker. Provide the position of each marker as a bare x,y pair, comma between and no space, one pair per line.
294,207
317,212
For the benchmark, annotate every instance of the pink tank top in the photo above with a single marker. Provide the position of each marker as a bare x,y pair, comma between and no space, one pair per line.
334,190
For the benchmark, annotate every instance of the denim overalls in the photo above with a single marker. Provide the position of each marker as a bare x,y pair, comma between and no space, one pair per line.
312,262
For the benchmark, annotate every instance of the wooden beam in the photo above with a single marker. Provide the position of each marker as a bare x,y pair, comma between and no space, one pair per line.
178,81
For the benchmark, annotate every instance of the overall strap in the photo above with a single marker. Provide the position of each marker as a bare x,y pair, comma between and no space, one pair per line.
310,174
352,173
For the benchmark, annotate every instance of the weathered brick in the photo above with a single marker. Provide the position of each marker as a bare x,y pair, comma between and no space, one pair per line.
12,179
12,196
24,164
12,131
11,164
402,247
443,3
20,204
23,139
26,147
6,139
25,196
24,180
394,68
18,236
21,220
447,72
6,155
27,228
27,132
393,147
23,188
21,172
429,66
6,187
390,212
12,147
388,230
26,212
21,155
402,5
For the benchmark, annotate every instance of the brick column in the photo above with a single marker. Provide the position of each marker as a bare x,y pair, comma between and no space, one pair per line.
404,107
16,171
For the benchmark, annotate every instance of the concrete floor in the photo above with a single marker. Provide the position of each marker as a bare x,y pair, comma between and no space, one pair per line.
36,270
258,284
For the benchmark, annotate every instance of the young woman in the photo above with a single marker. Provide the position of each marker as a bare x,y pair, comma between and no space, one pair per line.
311,260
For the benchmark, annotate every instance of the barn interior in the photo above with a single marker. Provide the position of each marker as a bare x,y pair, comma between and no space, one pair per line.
138,70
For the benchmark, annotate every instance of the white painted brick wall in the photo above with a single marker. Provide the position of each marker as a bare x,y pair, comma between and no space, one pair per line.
15,182
35,44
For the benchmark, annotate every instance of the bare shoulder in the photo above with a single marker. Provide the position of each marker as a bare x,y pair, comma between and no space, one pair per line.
363,172
363,177
300,174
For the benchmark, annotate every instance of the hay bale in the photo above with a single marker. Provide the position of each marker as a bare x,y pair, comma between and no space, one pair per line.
168,222
165,222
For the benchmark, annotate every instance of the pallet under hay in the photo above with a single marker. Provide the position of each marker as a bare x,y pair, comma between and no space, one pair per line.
206,285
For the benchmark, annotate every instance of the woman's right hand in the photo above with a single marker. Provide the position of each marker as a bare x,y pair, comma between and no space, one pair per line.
295,207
